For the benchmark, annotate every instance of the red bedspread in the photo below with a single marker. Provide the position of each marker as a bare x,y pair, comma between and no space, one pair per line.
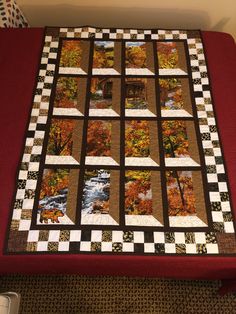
19,54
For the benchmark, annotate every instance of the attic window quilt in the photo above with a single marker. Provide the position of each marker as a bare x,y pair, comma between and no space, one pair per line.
122,154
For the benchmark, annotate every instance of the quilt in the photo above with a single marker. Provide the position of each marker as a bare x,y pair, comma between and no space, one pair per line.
122,153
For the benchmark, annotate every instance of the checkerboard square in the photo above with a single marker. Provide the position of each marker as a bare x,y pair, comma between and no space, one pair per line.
75,235
138,237
154,36
212,177
126,36
42,246
229,227
225,206
159,237
217,216
223,187
217,151
200,237
220,169
20,194
211,121
26,158
63,246
149,248
179,237
48,79
214,196
214,137
85,246
54,235
23,174
112,36
98,35
33,166
128,247
210,160
96,235
28,203
140,36
170,248
31,184
33,236
106,247
194,63
207,144
117,236
24,225
191,248
16,214
212,248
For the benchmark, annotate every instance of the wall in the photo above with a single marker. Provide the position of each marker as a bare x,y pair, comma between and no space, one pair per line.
204,14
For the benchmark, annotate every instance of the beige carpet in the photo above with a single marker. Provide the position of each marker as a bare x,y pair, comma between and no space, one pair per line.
81,294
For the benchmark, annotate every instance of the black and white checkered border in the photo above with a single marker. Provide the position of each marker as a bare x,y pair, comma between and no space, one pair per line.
122,241
127,242
28,174
216,176
121,33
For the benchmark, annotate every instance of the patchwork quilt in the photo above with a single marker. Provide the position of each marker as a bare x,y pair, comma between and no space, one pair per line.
122,153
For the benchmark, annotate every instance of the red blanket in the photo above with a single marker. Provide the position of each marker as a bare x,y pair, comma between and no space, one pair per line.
173,270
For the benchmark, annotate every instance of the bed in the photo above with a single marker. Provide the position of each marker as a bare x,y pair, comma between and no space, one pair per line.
100,251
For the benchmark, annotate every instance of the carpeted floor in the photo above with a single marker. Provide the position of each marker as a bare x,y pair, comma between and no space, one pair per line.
81,294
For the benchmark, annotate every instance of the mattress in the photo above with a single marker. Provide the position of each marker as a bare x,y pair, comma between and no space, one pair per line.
150,211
